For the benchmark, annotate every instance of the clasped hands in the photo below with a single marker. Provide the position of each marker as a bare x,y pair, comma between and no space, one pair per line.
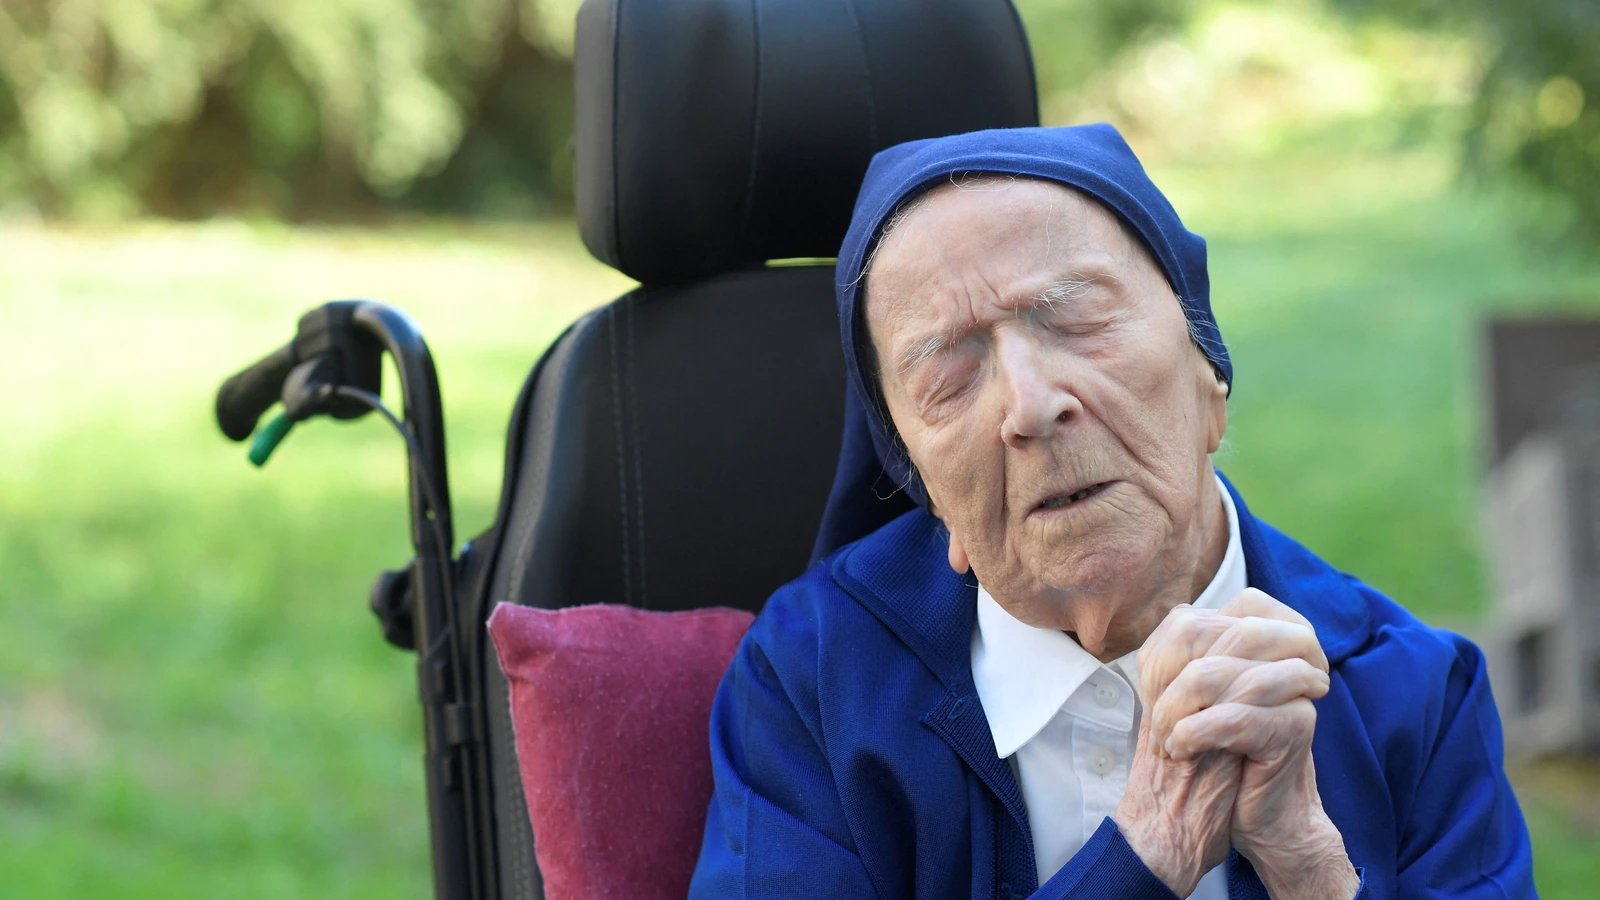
1224,752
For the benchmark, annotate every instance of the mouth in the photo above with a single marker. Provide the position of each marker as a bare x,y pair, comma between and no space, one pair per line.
1073,498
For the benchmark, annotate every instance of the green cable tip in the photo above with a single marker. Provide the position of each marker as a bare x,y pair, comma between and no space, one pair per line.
268,439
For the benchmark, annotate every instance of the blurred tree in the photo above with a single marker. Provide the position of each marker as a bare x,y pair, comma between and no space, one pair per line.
515,156
1074,39
1549,55
319,108
290,107
1537,109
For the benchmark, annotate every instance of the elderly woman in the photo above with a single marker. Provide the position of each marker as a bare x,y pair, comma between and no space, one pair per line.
1081,668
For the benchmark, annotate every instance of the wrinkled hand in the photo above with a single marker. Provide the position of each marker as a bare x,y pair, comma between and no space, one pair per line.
1176,814
1239,683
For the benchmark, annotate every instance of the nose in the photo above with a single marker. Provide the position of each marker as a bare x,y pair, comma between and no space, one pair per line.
1037,401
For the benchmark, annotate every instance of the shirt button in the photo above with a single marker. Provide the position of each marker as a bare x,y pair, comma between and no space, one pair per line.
1101,759
1106,694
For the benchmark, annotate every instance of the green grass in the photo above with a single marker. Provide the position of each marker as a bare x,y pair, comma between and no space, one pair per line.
1353,296
194,701
1561,799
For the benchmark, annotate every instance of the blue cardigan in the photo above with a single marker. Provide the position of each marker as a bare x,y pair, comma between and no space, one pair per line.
853,759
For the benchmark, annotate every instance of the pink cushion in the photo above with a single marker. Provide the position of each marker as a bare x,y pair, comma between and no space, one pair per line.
611,707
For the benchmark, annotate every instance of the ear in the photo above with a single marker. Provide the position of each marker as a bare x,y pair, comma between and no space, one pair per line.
1216,401
958,555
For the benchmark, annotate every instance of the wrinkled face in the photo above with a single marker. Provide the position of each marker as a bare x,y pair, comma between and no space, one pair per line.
1040,371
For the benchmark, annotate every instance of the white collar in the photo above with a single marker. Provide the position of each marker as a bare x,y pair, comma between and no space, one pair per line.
1024,674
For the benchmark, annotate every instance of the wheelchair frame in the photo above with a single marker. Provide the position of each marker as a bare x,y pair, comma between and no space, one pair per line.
333,367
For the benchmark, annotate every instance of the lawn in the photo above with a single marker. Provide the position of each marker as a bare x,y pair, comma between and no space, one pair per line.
194,701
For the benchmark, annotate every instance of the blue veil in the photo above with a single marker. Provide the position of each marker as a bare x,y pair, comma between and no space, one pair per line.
873,483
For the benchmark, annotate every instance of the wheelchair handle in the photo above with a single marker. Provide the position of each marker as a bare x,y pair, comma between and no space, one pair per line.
244,397
336,354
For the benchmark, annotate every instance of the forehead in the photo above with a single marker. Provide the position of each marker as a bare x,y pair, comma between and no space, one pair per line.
1017,233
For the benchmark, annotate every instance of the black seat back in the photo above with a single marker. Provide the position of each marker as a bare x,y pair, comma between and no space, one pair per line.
675,448
686,456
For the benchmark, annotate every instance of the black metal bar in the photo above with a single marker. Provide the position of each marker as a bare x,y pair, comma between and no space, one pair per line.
424,411
461,829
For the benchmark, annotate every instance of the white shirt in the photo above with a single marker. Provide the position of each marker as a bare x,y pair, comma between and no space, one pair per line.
1068,723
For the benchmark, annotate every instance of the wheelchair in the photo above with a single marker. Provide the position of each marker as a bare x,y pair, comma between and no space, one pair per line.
719,148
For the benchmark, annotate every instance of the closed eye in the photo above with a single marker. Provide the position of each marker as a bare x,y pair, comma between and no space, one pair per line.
1072,328
951,379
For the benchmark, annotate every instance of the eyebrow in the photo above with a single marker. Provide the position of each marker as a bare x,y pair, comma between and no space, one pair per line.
921,352
1064,289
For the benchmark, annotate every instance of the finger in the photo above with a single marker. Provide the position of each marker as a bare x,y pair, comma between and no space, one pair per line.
1185,634
1261,733
1213,680
1269,640
1201,684
1277,683
1189,632
1259,603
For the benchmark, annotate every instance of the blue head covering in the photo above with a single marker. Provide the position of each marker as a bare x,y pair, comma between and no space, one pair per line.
1095,160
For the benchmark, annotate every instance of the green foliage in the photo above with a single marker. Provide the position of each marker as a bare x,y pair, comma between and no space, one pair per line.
1238,81
311,108
1536,112
1073,40
293,107
1517,85
1539,107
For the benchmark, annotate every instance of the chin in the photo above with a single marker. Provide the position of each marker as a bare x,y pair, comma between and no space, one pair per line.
1098,564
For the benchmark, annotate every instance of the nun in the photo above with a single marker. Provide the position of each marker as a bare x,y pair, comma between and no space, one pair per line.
1077,667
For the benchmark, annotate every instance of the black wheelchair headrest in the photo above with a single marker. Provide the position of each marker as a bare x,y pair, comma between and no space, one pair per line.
715,134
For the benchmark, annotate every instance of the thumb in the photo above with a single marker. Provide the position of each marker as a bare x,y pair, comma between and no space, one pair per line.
1143,745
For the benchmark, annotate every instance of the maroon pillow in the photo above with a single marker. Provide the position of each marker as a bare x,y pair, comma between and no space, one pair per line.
611,707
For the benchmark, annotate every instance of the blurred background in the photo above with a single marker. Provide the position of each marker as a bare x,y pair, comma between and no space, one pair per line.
194,699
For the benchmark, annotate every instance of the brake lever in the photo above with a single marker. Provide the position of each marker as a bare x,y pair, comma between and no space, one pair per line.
327,351
308,390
